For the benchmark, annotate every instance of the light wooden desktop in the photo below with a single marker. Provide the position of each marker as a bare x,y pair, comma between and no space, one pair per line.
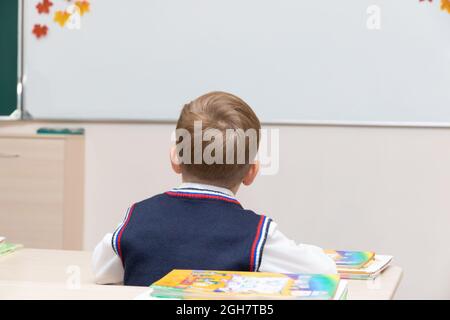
54,274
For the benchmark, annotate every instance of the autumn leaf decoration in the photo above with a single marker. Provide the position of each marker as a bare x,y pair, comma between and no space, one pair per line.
62,16
44,7
445,5
84,7
40,30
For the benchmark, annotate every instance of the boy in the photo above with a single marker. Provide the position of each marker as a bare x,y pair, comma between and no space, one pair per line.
200,225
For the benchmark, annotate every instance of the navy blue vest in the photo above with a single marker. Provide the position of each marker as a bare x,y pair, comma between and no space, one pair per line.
188,229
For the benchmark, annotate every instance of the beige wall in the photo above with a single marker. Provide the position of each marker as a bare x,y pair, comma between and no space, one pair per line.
382,189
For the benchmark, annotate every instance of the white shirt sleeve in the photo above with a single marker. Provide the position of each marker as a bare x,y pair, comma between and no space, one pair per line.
283,255
107,266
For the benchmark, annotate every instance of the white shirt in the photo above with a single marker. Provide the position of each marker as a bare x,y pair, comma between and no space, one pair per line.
280,254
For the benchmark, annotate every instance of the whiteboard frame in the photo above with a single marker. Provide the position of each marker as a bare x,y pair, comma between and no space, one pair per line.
21,114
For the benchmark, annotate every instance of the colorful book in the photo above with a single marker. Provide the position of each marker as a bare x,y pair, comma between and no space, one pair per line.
351,259
369,271
218,285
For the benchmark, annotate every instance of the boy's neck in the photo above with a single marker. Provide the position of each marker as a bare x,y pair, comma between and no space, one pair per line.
201,185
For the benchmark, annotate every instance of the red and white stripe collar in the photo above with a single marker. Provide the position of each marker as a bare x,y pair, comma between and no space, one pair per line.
201,191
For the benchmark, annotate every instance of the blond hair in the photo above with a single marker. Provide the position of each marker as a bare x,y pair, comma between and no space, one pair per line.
223,113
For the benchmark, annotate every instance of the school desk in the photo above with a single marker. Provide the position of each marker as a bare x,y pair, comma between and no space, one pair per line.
53,274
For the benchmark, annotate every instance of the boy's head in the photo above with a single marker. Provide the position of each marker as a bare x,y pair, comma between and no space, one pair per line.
217,141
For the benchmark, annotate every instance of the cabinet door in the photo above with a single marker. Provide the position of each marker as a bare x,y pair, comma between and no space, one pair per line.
31,191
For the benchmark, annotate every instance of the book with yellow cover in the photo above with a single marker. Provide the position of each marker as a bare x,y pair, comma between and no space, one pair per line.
199,284
369,271
351,259
359,265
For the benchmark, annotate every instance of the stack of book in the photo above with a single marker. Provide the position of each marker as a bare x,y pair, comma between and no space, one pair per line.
220,285
359,265
6,248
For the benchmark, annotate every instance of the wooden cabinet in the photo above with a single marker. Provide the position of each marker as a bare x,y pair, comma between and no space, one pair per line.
42,191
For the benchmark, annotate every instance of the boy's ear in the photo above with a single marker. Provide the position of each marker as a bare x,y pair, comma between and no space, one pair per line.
174,160
251,174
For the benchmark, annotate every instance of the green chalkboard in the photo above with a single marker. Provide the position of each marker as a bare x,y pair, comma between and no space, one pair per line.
8,55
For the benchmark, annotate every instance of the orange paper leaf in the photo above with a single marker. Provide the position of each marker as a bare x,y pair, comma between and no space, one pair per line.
61,17
445,5
84,6
44,6
40,30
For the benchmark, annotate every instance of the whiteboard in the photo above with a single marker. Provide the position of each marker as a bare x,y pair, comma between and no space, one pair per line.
291,60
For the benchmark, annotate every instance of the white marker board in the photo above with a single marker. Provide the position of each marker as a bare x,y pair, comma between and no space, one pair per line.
292,60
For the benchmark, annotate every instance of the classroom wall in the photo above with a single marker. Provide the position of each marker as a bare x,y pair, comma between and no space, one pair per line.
383,189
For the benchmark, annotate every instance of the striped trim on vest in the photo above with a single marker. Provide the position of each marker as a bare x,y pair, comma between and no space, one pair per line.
117,235
258,243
